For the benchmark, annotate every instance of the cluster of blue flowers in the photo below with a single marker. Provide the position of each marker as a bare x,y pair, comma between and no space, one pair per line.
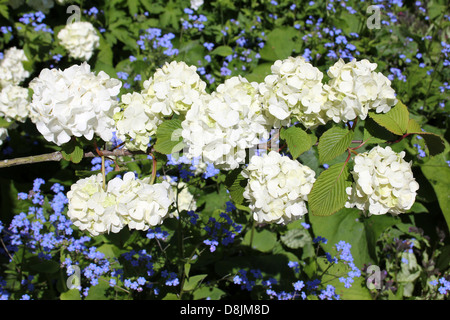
195,21
302,289
346,257
223,230
442,284
46,233
35,20
143,265
152,38
188,167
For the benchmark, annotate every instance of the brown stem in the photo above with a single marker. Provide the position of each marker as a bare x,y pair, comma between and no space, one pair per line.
57,156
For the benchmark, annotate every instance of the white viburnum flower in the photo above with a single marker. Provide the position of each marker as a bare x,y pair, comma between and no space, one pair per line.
12,71
141,204
195,4
294,89
277,188
91,208
173,88
74,102
383,182
355,88
150,206
221,126
14,103
80,39
136,123
126,201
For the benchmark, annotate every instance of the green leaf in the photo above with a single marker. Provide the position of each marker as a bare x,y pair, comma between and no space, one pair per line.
347,225
133,6
223,51
259,72
4,10
208,292
99,291
333,143
192,282
109,250
280,44
171,296
437,172
72,294
376,134
72,151
235,183
395,120
296,238
328,192
168,137
298,141
262,240
413,126
4,123
435,144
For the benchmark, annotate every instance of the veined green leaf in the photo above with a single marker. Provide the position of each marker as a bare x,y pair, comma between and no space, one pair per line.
328,192
72,151
168,137
437,172
235,184
435,143
395,120
192,282
298,141
72,294
223,51
333,143
296,238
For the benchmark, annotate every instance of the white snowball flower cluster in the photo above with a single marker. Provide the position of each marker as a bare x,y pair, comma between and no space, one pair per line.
128,201
383,183
74,102
219,127
277,188
12,71
80,39
355,88
14,103
136,123
173,88
294,89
